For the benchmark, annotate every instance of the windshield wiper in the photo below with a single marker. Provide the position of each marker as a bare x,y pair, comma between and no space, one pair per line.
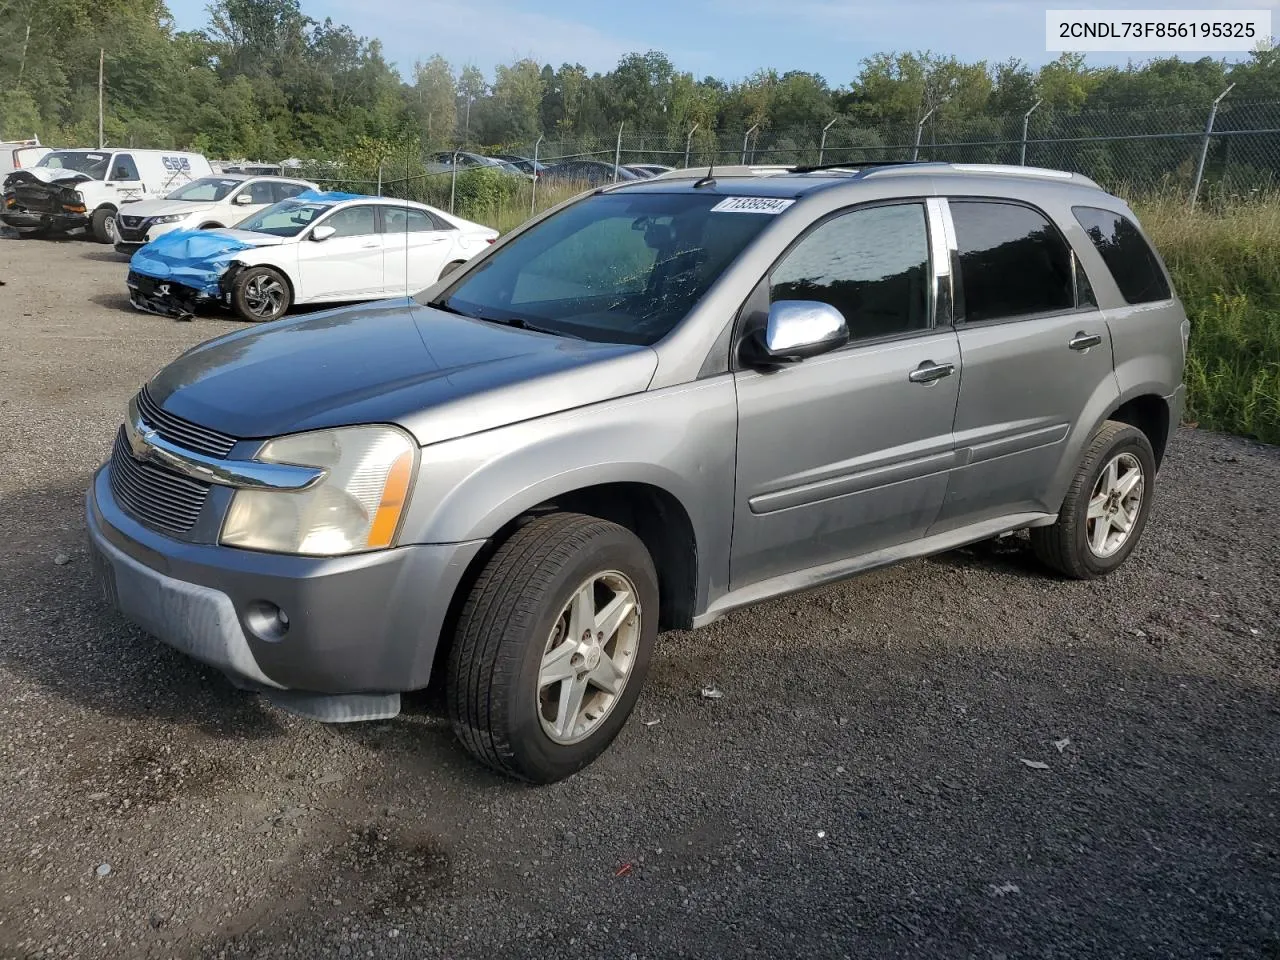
520,323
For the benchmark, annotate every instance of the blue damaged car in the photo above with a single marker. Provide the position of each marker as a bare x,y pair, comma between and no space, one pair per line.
313,248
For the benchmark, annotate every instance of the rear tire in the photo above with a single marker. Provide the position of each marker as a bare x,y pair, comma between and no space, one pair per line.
530,692
260,294
102,227
1104,512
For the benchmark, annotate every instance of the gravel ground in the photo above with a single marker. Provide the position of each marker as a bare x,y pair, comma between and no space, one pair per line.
862,789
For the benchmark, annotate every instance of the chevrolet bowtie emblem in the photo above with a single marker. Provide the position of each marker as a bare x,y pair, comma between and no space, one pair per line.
140,438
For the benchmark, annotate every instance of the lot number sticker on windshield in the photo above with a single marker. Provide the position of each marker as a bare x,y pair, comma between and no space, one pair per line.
771,205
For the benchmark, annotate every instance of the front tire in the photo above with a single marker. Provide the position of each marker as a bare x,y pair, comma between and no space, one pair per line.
552,646
1106,507
260,294
102,226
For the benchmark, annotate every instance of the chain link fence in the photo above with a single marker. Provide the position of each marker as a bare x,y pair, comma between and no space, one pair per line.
1216,150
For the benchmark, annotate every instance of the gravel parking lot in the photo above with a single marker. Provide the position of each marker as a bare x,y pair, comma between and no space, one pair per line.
862,789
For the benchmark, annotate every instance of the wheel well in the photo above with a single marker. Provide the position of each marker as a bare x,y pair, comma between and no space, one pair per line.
1150,414
651,513
211,225
236,268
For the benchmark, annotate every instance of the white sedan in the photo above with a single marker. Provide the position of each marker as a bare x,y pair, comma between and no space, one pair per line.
313,248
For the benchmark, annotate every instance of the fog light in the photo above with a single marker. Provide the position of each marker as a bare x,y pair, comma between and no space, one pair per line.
266,621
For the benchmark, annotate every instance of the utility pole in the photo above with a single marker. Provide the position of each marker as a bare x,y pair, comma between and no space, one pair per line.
750,130
102,55
22,64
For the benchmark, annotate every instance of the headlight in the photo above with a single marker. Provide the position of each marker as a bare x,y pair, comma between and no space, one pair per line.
356,506
170,218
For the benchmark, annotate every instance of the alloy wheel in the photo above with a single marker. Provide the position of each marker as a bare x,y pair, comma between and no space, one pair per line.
588,657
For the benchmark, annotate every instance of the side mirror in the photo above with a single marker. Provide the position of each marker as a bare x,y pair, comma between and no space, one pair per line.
323,232
243,199
796,330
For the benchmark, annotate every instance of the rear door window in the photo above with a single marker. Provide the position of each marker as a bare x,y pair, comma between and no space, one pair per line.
1013,261
1132,262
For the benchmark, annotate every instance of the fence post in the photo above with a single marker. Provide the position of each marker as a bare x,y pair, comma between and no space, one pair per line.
823,145
453,184
1204,147
688,142
379,177
915,151
617,153
1026,123
750,130
533,200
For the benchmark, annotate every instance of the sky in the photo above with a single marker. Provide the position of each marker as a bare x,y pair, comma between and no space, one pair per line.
724,38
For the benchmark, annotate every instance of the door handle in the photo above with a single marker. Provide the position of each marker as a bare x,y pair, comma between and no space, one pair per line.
1083,341
370,245
929,371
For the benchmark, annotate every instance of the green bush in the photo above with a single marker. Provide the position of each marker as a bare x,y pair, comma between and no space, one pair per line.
1225,262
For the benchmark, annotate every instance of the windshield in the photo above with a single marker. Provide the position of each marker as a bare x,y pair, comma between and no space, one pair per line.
208,189
288,218
93,164
617,268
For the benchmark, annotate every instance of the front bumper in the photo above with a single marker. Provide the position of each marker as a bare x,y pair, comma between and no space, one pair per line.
165,297
57,222
363,624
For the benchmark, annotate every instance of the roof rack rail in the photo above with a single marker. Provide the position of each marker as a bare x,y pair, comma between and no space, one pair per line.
860,167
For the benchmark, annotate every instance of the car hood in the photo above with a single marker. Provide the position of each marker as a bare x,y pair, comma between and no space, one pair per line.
164,208
52,174
437,374
196,258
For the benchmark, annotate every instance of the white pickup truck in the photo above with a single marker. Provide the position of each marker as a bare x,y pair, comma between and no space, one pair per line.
84,189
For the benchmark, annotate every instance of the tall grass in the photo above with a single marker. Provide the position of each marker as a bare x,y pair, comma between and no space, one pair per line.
1225,261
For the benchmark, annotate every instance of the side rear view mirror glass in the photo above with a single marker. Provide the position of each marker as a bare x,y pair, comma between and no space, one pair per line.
323,232
796,330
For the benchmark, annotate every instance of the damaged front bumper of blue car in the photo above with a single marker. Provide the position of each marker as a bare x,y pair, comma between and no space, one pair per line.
181,272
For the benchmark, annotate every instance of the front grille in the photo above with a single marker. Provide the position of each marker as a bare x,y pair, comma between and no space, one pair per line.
155,495
176,430
133,223
37,198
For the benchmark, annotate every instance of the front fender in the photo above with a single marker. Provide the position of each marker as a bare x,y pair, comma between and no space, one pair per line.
681,440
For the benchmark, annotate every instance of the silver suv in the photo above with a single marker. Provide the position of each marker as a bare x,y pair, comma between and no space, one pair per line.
658,402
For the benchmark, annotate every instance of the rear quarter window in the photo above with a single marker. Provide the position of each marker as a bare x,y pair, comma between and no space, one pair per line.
1133,264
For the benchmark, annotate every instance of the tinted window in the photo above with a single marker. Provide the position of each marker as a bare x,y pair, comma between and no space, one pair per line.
123,168
1126,253
872,265
406,220
260,192
617,268
1013,261
283,191
354,222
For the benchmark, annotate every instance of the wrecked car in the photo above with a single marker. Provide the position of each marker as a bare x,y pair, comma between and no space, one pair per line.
70,190
313,248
